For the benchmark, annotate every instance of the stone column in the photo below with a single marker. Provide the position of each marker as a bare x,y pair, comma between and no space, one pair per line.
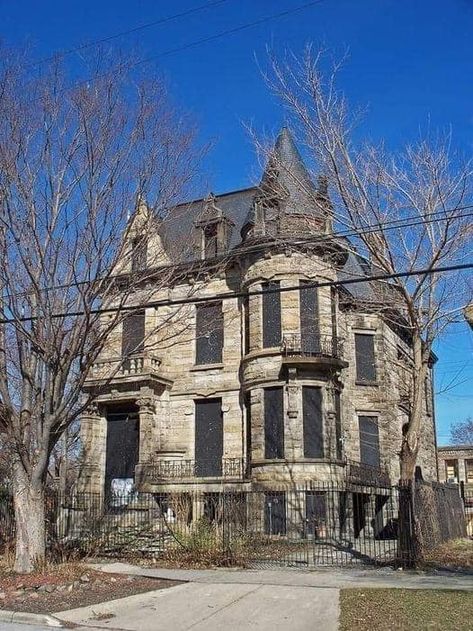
93,429
146,412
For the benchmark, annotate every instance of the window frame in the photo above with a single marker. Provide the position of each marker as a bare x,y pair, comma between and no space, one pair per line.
271,331
203,339
359,379
374,418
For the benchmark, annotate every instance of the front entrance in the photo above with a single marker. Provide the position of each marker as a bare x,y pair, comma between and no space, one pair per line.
122,453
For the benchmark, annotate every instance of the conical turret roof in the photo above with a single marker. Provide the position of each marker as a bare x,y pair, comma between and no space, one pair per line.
286,183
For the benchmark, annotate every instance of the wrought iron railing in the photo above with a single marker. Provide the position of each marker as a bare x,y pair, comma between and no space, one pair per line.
297,345
136,364
362,473
175,470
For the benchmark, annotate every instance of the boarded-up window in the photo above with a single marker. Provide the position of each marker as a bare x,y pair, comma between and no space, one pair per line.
209,333
369,440
309,317
312,422
271,315
139,253
365,360
273,423
208,437
133,333
338,425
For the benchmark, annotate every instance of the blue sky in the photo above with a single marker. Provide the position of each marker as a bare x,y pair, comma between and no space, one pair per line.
411,63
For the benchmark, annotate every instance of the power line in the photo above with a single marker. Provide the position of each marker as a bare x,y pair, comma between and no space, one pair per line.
392,224
247,294
136,29
196,43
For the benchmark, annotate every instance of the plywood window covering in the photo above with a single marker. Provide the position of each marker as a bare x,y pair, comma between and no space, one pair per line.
309,317
208,437
369,440
271,315
313,427
365,358
209,333
273,423
133,333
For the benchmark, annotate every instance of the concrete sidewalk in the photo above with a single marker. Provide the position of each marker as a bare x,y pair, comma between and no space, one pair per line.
267,600
322,578
204,606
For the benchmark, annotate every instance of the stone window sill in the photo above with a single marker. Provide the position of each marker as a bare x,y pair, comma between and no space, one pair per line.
198,367
367,383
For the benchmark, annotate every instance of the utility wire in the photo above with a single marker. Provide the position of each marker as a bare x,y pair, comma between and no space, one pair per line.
392,224
247,294
136,29
195,43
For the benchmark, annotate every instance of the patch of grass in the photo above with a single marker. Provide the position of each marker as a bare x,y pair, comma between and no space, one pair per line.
457,554
405,610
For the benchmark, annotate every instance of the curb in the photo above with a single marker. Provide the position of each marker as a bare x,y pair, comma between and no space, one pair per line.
29,618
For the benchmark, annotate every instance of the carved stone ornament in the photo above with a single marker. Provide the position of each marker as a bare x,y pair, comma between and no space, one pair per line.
92,409
146,405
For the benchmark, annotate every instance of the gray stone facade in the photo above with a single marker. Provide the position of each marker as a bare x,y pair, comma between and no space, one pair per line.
264,241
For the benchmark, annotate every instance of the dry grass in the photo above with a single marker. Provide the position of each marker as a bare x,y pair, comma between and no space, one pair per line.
457,554
405,610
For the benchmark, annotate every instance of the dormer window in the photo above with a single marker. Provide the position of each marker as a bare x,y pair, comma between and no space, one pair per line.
214,230
139,253
210,240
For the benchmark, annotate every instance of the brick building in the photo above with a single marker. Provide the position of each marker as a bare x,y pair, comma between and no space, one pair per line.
292,383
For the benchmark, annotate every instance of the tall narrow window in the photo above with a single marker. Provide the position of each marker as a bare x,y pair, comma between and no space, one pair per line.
275,513
210,241
365,359
273,423
208,437
369,440
309,317
209,333
313,427
139,253
133,333
271,315
338,425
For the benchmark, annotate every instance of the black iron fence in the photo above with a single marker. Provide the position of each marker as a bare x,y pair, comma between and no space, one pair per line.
315,525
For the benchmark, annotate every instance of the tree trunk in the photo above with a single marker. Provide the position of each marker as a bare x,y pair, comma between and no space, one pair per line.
408,461
28,502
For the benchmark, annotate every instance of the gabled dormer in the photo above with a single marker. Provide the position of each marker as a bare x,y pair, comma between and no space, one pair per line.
213,230
143,245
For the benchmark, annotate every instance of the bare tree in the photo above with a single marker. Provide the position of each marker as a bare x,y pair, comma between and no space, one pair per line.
74,163
461,432
405,211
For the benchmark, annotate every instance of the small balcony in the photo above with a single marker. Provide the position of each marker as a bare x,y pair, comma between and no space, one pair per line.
319,350
367,475
184,471
143,366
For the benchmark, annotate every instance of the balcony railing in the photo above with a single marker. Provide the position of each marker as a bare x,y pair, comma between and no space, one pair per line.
119,367
296,345
182,470
369,475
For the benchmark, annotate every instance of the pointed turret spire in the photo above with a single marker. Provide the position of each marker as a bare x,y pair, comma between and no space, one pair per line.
287,192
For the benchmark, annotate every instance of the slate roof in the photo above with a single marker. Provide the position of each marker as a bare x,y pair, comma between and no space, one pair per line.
286,172
178,229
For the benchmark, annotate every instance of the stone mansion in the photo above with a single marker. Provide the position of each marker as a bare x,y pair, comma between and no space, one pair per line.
279,376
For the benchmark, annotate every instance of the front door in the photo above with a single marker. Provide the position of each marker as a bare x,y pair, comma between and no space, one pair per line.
122,451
